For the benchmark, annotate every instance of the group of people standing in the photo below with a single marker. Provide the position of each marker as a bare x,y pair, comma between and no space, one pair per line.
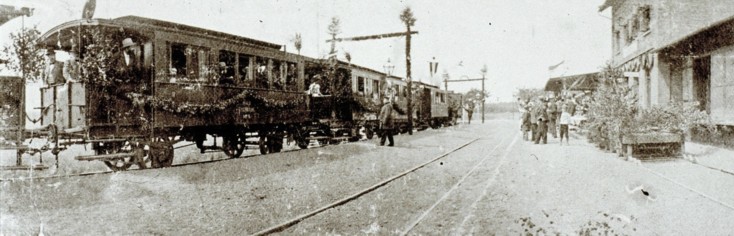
546,115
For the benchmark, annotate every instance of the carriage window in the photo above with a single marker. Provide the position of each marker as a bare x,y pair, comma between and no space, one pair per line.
360,84
277,72
178,59
227,61
243,67
399,90
261,72
189,62
291,78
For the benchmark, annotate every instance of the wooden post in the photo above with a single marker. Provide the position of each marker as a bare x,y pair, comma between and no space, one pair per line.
410,81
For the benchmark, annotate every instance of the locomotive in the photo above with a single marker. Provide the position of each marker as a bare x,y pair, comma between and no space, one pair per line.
183,83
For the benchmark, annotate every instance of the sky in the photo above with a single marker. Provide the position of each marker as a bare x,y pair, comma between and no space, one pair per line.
516,39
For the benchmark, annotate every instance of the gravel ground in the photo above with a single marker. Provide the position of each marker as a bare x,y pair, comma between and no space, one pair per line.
497,185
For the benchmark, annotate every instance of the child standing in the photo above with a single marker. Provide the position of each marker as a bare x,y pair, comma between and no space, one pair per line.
525,125
564,121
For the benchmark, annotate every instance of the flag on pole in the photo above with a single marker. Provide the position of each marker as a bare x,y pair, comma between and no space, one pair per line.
553,67
433,66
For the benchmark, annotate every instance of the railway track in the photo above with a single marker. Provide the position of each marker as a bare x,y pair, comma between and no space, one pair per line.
172,166
288,223
692,189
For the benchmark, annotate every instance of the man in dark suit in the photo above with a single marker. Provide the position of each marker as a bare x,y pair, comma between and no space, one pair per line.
127,61
386,123
54,72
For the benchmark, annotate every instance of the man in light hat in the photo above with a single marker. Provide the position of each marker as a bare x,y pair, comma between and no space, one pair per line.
127,63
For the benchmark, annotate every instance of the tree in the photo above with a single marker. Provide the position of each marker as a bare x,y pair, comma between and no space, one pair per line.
298,42
473,98
527,94
334,30
409,20
24,55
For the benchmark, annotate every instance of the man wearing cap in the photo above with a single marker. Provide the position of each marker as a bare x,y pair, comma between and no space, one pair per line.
386,123
54,69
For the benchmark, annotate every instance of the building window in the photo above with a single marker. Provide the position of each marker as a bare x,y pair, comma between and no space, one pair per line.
635,24
360,84
644,12
617,41
375,88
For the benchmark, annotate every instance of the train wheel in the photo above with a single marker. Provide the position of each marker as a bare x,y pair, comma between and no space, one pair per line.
302,143
369,133
275,142
161,153
233,146
300,138
120,164
142,154
262,143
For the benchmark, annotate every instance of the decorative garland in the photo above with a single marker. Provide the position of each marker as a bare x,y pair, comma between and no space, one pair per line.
259,102
367,104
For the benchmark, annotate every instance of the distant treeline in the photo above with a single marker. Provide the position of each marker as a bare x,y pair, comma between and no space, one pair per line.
500,107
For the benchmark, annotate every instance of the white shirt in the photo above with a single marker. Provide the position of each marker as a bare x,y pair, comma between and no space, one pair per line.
314,89
565,118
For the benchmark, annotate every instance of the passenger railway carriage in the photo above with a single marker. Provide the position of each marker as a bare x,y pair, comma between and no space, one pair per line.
190,83
182,83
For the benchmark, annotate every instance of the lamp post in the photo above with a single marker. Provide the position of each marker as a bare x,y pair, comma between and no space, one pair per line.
484,73
388,67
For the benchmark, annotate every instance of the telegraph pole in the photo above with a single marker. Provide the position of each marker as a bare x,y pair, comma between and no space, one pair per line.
484,72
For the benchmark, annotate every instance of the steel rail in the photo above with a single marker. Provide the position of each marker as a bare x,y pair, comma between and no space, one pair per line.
172,166
298,219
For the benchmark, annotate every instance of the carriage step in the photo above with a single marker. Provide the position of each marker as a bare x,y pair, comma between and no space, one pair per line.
318,138
104,157
24,167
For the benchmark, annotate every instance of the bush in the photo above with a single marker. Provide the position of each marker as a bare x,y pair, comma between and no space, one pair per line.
614,112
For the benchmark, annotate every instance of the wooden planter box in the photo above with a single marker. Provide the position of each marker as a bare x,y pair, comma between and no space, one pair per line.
653,141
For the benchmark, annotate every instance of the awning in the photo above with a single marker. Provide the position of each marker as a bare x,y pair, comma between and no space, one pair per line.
580,82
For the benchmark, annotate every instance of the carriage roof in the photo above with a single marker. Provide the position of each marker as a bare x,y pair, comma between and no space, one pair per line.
147,24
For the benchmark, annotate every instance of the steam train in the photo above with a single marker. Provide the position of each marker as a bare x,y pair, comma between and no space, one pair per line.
190,84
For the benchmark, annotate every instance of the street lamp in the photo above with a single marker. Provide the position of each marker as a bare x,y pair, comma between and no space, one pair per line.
389,67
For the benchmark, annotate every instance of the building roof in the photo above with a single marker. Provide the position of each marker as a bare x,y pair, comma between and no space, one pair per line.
703,40
609,3
580,82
